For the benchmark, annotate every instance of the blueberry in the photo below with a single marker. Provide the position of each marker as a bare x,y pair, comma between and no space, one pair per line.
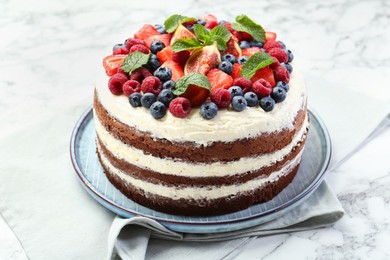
201,22
278,94
267,103
226,67
290,56
190,27
119,45
158,110
165,97
170,84
163,73
222,22
251,99
153,62
235,91
287,66
156,46
239,103
244,45
208,110
243,59
148,99
160,28
283,45
283,85
255,44
230,58
135,99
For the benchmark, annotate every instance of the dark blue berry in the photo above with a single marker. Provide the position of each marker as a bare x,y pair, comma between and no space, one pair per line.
165,97
287,66
158,110
163,73
208,110
243,59
170,84
135,99
190,27
239,103
160,28
283,85
255,44
283,45
156,46
290,56
230,58
278,94
267,103
153,62
148,99
201,22
251,99
119,45
226,67
222,22
244,45
235,91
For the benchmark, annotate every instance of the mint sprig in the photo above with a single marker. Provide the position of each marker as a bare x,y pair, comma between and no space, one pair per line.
257,61
173,21
245,24
194,78
134,60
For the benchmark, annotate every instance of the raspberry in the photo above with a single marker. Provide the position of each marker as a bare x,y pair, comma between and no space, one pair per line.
221,97
281,74
145,72
245,84
275,64
120,51
271,44
131,41
151,84
262,88
121,71
279,54
131,86
141,48
140,74
115,83
180,107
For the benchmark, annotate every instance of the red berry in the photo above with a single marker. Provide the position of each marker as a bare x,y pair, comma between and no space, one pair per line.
111,63
120,51
262,88
270,36
236,73
145,72
275,64
116,82
121,71
271,44
245,84
139,47
140,74
151,84
180,107
131,41
279,54
131,86
281,74
145,32
221,97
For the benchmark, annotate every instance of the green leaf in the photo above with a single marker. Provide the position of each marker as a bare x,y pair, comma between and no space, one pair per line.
134,61
221,43
257,61
245,24
185,44
173,21
195,78
222,32
201,33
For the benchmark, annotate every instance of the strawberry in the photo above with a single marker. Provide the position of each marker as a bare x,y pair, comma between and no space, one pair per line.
145,32
211,21
111,63
264,73
177,71
196,95
165,38
219,79
167,54
250,51
270,36
236,73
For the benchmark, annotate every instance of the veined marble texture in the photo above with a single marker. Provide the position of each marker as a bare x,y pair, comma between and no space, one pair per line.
50,52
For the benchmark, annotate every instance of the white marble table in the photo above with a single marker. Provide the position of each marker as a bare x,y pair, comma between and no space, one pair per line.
50,52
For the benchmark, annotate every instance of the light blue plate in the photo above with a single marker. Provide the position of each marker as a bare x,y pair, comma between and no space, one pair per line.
315,160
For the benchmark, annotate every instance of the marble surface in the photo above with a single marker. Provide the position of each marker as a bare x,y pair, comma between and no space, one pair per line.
50,52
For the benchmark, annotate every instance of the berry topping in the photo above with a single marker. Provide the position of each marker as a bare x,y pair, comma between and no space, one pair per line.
140,48
201,22
118,46
278,94
112,63
236,91
163,73
170,84
244,45
251,99
131,86
208,110
271,44
196,95
264,73
140,74
211,21
164,38
219,79
120,51
287,66
180,107
226,67
221,97
255,44
230,58
148,99
262,88
279,54
131,42
145,32
160,28
177,71
242,59
283,85
281,74
158,110
153,62
267,103
156,46
165,97
290,56
239,103
283,46
151,84
270,36
250,51
244,83
116,82
236,73
275,64
135,99
167,54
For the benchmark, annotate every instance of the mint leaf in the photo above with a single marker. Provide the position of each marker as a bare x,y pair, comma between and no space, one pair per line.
173,21
222,32
195,78
245,24
221,43
201,33
257,61
134,61
185,44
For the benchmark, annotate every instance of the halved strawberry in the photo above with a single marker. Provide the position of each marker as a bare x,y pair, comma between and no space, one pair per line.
145,32
264,73
196,95
219,79
165,38
250,51
176,69
270,36
111,63
167,54
236,73
211,21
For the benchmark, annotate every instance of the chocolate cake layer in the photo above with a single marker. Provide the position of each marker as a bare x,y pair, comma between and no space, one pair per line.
187,151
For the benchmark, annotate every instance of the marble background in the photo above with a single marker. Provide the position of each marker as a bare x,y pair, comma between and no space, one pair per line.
50,53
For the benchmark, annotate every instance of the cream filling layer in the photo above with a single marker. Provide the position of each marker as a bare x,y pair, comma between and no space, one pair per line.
227,126
175,167
209,192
